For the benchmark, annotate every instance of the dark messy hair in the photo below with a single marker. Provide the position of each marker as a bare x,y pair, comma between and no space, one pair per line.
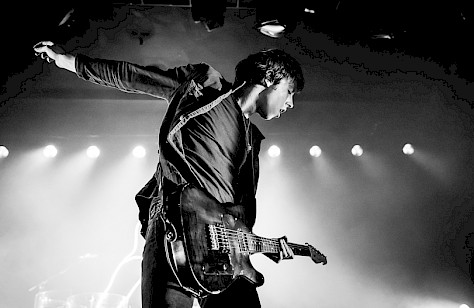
270,64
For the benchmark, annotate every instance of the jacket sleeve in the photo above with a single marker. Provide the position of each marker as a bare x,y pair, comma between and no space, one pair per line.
132,78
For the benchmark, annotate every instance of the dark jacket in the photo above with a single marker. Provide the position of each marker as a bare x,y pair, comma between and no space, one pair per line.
189,90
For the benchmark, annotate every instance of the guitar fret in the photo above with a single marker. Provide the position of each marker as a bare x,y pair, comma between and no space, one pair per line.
244,242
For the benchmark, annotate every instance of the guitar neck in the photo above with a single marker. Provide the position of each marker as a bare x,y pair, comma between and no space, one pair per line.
257,244
265,245
300,250
249,243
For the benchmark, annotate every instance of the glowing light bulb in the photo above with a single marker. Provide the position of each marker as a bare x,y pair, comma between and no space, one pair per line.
315,151
93,151
408,149
3,151
139,151
274,151
357,150
50,151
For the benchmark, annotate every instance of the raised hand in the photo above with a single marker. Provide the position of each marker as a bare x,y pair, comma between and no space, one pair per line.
48,51
51,52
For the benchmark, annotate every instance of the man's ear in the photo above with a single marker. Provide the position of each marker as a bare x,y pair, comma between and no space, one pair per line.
267,83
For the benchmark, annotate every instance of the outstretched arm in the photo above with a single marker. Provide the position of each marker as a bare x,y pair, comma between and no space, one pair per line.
122,75
54,53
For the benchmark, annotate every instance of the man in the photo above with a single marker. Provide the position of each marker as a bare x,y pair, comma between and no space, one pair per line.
206,139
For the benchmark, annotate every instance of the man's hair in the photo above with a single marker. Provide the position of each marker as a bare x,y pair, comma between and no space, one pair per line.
270,64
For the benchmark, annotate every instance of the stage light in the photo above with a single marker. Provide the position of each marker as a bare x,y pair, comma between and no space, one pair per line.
357,150
272,28
274,151
3,151
210,15
463,306
93,151
275,21
50,151
315,151
139,151
408,149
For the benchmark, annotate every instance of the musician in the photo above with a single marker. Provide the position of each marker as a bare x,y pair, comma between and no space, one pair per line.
206,138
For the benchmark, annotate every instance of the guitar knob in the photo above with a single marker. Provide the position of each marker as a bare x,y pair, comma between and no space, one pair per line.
170,236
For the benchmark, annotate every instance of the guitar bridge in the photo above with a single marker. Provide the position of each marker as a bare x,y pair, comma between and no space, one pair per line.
217,267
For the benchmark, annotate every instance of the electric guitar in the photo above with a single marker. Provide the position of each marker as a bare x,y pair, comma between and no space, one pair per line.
208,247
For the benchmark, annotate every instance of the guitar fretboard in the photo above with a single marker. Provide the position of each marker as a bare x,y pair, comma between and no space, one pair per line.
244,242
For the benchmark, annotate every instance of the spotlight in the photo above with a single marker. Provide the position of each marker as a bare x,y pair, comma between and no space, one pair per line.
274,151
50,151
357,150
139,151
275,21
93,151
463,306
272,28
211,16
3,151
408,149
315,151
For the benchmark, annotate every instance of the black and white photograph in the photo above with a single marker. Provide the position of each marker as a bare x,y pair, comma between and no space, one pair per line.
237,153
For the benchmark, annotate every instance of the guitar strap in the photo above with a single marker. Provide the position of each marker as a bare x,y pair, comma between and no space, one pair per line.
167,196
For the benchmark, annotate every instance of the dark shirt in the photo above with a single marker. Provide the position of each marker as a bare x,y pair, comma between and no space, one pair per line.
215,145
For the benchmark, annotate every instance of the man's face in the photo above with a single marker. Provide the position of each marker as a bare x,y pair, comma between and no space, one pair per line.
275,100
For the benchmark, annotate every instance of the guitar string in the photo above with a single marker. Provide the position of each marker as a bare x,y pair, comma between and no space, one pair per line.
243,235
252,241
239,240
227,245
223,242
245,241
226,232
224,238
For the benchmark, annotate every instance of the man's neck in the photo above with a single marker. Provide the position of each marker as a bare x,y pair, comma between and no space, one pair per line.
248,99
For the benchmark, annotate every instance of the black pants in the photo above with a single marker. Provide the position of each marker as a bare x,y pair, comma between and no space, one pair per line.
160,288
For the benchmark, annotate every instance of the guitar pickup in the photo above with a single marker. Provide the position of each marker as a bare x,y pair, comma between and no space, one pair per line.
213,237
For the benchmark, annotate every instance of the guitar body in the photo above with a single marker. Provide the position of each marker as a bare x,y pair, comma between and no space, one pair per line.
205,244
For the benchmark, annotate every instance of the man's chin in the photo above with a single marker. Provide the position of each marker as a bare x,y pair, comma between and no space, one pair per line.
275,116
268,117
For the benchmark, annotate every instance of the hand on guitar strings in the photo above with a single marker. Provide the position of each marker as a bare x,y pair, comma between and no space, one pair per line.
284,253
285,250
